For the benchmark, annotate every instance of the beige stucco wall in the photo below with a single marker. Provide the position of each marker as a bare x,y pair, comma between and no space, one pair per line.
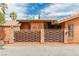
7,29
32,25
75,38
9,34
37,25
25,25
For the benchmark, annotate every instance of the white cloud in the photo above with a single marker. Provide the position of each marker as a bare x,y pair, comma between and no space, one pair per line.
55,7
59,14
20,10
52,11
59,9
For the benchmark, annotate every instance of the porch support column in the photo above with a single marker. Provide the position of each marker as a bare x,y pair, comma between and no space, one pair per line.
42,36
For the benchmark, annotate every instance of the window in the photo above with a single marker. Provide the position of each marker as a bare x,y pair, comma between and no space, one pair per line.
70,30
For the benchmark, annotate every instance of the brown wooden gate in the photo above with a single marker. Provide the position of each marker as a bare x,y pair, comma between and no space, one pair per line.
27,36
54,35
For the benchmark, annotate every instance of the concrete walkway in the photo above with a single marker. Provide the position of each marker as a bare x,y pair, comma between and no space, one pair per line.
37,49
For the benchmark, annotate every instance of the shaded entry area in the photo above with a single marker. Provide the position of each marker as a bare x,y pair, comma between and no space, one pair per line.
49,25
53,33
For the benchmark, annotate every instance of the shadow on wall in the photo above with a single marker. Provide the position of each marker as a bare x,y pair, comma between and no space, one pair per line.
2,33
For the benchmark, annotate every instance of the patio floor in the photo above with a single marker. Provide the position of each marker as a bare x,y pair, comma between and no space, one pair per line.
38,44
37,49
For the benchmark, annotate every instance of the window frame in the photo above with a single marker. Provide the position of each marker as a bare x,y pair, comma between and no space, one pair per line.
70,30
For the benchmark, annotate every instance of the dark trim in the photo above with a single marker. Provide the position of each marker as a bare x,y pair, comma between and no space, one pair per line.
35,20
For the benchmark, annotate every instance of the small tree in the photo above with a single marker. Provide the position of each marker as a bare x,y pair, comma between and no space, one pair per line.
2,17
3,7
13,15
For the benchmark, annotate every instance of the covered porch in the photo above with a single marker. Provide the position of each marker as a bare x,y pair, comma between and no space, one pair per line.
38,24
39,31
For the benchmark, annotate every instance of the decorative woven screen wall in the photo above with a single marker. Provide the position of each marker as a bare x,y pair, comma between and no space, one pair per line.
54,35
27,36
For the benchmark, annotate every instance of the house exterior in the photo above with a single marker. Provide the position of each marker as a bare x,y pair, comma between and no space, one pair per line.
41,30
71,29
36,24
37,30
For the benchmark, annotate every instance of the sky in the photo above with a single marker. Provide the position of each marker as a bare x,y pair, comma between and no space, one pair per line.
46,10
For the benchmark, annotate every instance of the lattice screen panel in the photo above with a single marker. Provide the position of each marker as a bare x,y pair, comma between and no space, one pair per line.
27,36
54,35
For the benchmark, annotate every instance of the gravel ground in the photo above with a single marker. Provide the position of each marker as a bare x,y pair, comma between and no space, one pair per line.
37,49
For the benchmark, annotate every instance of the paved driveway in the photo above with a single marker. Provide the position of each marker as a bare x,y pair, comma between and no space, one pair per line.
37,49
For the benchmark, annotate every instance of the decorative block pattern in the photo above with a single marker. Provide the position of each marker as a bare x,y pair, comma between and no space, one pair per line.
54,35
27,36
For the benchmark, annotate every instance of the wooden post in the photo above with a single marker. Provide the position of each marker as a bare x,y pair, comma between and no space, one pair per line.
42,36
